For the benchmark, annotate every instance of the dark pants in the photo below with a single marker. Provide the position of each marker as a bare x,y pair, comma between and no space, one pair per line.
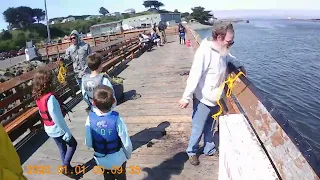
111,175
66,149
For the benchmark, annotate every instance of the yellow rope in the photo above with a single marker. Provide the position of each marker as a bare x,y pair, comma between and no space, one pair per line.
62,72
230,83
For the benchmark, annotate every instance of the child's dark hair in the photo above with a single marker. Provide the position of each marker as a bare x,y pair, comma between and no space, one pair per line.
94,61
42,83
103,98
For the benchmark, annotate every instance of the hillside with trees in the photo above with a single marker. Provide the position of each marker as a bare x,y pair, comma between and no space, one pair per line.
24,23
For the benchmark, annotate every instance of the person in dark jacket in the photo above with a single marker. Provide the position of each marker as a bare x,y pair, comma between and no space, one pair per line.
182,34
162,27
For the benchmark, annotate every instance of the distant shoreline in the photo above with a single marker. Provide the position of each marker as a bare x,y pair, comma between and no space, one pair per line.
199,26
314,20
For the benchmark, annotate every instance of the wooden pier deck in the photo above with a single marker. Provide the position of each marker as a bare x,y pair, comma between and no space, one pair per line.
159,129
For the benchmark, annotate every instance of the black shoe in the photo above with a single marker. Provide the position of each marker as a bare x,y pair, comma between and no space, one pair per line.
88,108
69,171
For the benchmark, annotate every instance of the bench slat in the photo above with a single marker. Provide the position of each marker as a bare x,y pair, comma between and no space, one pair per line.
21,119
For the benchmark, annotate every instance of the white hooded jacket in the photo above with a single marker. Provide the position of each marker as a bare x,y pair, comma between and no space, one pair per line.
208,72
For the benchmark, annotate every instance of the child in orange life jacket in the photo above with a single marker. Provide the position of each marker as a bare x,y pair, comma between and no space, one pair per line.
52,114
107,134
90,81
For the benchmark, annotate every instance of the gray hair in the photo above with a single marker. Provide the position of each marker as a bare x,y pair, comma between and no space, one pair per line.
221,28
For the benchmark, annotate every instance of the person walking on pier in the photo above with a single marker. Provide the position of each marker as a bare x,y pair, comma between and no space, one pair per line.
77,54
182,34
90,81
107,134
52,113
162,29
208,72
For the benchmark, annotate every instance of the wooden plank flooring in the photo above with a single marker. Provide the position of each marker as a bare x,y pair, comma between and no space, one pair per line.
159,129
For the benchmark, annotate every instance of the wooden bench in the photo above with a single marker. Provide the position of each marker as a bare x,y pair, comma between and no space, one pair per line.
20,112
19,107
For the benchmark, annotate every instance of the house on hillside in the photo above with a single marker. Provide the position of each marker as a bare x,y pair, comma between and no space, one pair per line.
149,19
116,14
106,28
92,17
130,11
68,19
54,22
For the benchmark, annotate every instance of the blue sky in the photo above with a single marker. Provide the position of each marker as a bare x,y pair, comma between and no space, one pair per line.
60,8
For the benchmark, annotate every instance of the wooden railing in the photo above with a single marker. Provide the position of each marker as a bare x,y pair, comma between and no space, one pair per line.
60,48
286,150
19,111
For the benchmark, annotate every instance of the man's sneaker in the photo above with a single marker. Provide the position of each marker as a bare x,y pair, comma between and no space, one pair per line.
215,153
194,160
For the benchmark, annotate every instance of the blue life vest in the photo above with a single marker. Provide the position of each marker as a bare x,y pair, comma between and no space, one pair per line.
105,138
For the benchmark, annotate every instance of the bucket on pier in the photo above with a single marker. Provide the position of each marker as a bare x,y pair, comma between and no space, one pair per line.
188,43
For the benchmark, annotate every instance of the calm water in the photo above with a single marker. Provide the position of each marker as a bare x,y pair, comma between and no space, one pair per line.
282,58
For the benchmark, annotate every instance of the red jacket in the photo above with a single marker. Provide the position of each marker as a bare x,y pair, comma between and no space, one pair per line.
42,104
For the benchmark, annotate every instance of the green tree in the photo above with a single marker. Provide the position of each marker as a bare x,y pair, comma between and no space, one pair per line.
20,17
103,11
154,4
39,14
125,15
199,14
25,16
147,4
157,4
21,40
10,16
185,14
176,11
5,35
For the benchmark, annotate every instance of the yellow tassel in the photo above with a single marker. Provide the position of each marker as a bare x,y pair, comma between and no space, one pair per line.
62,72
230,83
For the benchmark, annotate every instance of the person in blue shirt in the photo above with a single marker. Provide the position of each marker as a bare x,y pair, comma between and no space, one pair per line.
53,119
90,81
107,134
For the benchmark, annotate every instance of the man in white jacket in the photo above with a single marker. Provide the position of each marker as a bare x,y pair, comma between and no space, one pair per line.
208,72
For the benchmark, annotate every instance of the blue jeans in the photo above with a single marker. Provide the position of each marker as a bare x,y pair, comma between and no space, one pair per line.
202,124
66,149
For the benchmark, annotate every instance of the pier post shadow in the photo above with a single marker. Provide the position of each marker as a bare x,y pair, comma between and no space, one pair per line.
167,168
145,136
34,143
129,95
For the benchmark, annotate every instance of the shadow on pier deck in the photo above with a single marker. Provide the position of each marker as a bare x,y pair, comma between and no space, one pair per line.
159,129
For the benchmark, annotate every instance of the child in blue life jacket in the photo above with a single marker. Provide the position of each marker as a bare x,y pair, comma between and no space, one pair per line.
52,114
107,134
90,81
